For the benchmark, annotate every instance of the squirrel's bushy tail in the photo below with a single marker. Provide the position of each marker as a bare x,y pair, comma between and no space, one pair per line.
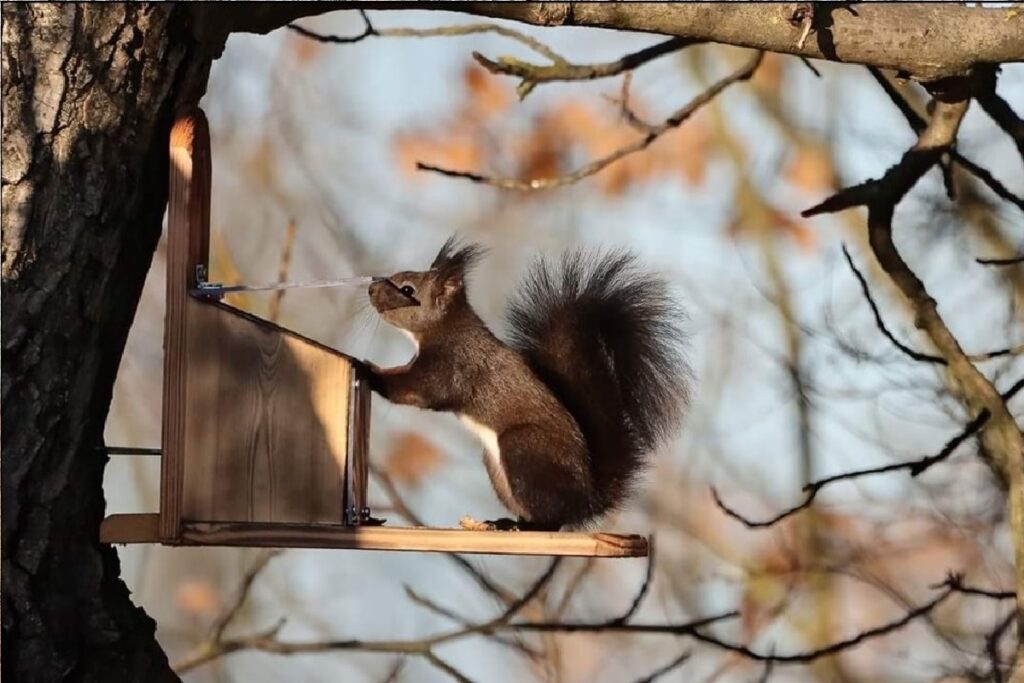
606,339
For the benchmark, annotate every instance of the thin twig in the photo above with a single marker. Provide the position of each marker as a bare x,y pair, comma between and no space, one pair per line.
403,510
429,604
766,673
274,310
1000,261
601,163
625,111
573,585
998,109
992,643
221,623
667,668
838,646
640,594
457,30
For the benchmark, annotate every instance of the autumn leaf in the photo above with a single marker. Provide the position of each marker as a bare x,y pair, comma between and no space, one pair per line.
304,51
769,74
223,269
559,137
411,458
811,170
691,148
487,96
796,229
450,149
198,598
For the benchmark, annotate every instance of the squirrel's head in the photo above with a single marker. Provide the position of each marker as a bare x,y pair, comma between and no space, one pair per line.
418,300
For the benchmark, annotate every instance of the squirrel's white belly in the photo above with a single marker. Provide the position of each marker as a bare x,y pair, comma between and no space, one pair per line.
492,455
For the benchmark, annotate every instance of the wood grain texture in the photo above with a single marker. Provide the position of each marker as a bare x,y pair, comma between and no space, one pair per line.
266,421
134,529
188,230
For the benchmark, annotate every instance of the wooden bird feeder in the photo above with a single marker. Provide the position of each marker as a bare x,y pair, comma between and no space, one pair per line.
265,432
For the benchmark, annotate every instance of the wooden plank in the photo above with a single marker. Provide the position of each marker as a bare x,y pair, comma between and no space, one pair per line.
133,528
417,539
188,231
266,422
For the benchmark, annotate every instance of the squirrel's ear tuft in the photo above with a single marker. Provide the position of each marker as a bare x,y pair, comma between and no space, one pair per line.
455,259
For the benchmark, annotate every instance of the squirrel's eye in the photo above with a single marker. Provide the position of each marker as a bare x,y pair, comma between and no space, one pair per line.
408,290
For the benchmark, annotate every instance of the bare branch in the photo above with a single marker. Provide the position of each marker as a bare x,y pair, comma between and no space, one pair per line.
918,125
225,619
916,355
914,467
838,646
429,604
880,323
400,506
267,641
446,667
992,643
597,165
640,594
998,109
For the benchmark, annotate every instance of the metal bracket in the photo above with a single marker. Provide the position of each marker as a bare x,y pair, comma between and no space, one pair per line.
363,518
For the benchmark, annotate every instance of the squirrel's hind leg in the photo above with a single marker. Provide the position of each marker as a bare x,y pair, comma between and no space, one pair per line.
548,480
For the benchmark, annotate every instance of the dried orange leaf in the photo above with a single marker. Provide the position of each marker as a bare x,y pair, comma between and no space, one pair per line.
198,598
411,458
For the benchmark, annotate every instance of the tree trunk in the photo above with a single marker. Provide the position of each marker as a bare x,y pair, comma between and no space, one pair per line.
88,98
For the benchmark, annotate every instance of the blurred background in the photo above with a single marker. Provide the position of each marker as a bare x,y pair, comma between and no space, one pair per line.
314,149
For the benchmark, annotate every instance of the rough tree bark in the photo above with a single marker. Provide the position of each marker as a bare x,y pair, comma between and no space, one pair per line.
88,97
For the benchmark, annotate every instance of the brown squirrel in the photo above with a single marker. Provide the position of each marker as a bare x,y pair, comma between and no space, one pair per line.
569,410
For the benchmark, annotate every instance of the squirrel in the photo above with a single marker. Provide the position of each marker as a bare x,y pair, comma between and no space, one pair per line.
569,410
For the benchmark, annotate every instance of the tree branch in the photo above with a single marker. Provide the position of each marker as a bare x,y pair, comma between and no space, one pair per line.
924,42
1001,437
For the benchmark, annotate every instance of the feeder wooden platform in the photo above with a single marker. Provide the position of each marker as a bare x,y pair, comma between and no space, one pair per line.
265,432
144,528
